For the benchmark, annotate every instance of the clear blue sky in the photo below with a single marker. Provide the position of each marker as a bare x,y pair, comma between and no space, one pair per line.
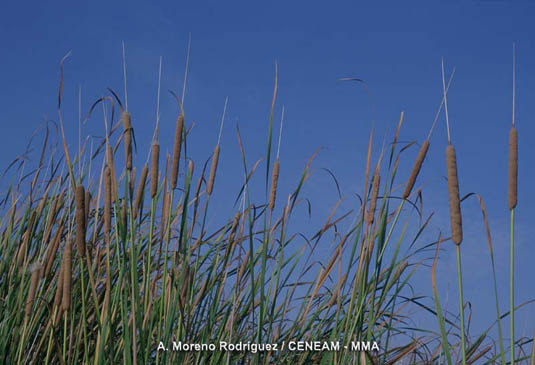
396,48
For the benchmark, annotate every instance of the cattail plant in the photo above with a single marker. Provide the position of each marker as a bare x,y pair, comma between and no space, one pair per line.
424,148
155,147
127,122
512,200
455,212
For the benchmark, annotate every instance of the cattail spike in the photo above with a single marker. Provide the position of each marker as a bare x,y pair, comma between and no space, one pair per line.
416,169
53,248
67,277
154,170
59,289
80,219
513,168
127,130
124,221
177,147
213,170
274,183
453,189
36,274
140,190
373,199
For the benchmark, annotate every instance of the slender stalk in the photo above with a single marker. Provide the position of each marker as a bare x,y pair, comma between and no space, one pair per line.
461,301
512,287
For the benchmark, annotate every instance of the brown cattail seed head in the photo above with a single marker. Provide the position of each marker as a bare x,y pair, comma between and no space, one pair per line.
274,182
416,169
80,219
455,203
140,190
123,214
67,277
177,147
513,168
59,288
373,199
154,169
127,126
36,274
52,250
213,170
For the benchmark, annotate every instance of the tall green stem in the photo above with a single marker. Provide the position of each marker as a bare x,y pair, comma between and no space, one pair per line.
461,301
512,287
